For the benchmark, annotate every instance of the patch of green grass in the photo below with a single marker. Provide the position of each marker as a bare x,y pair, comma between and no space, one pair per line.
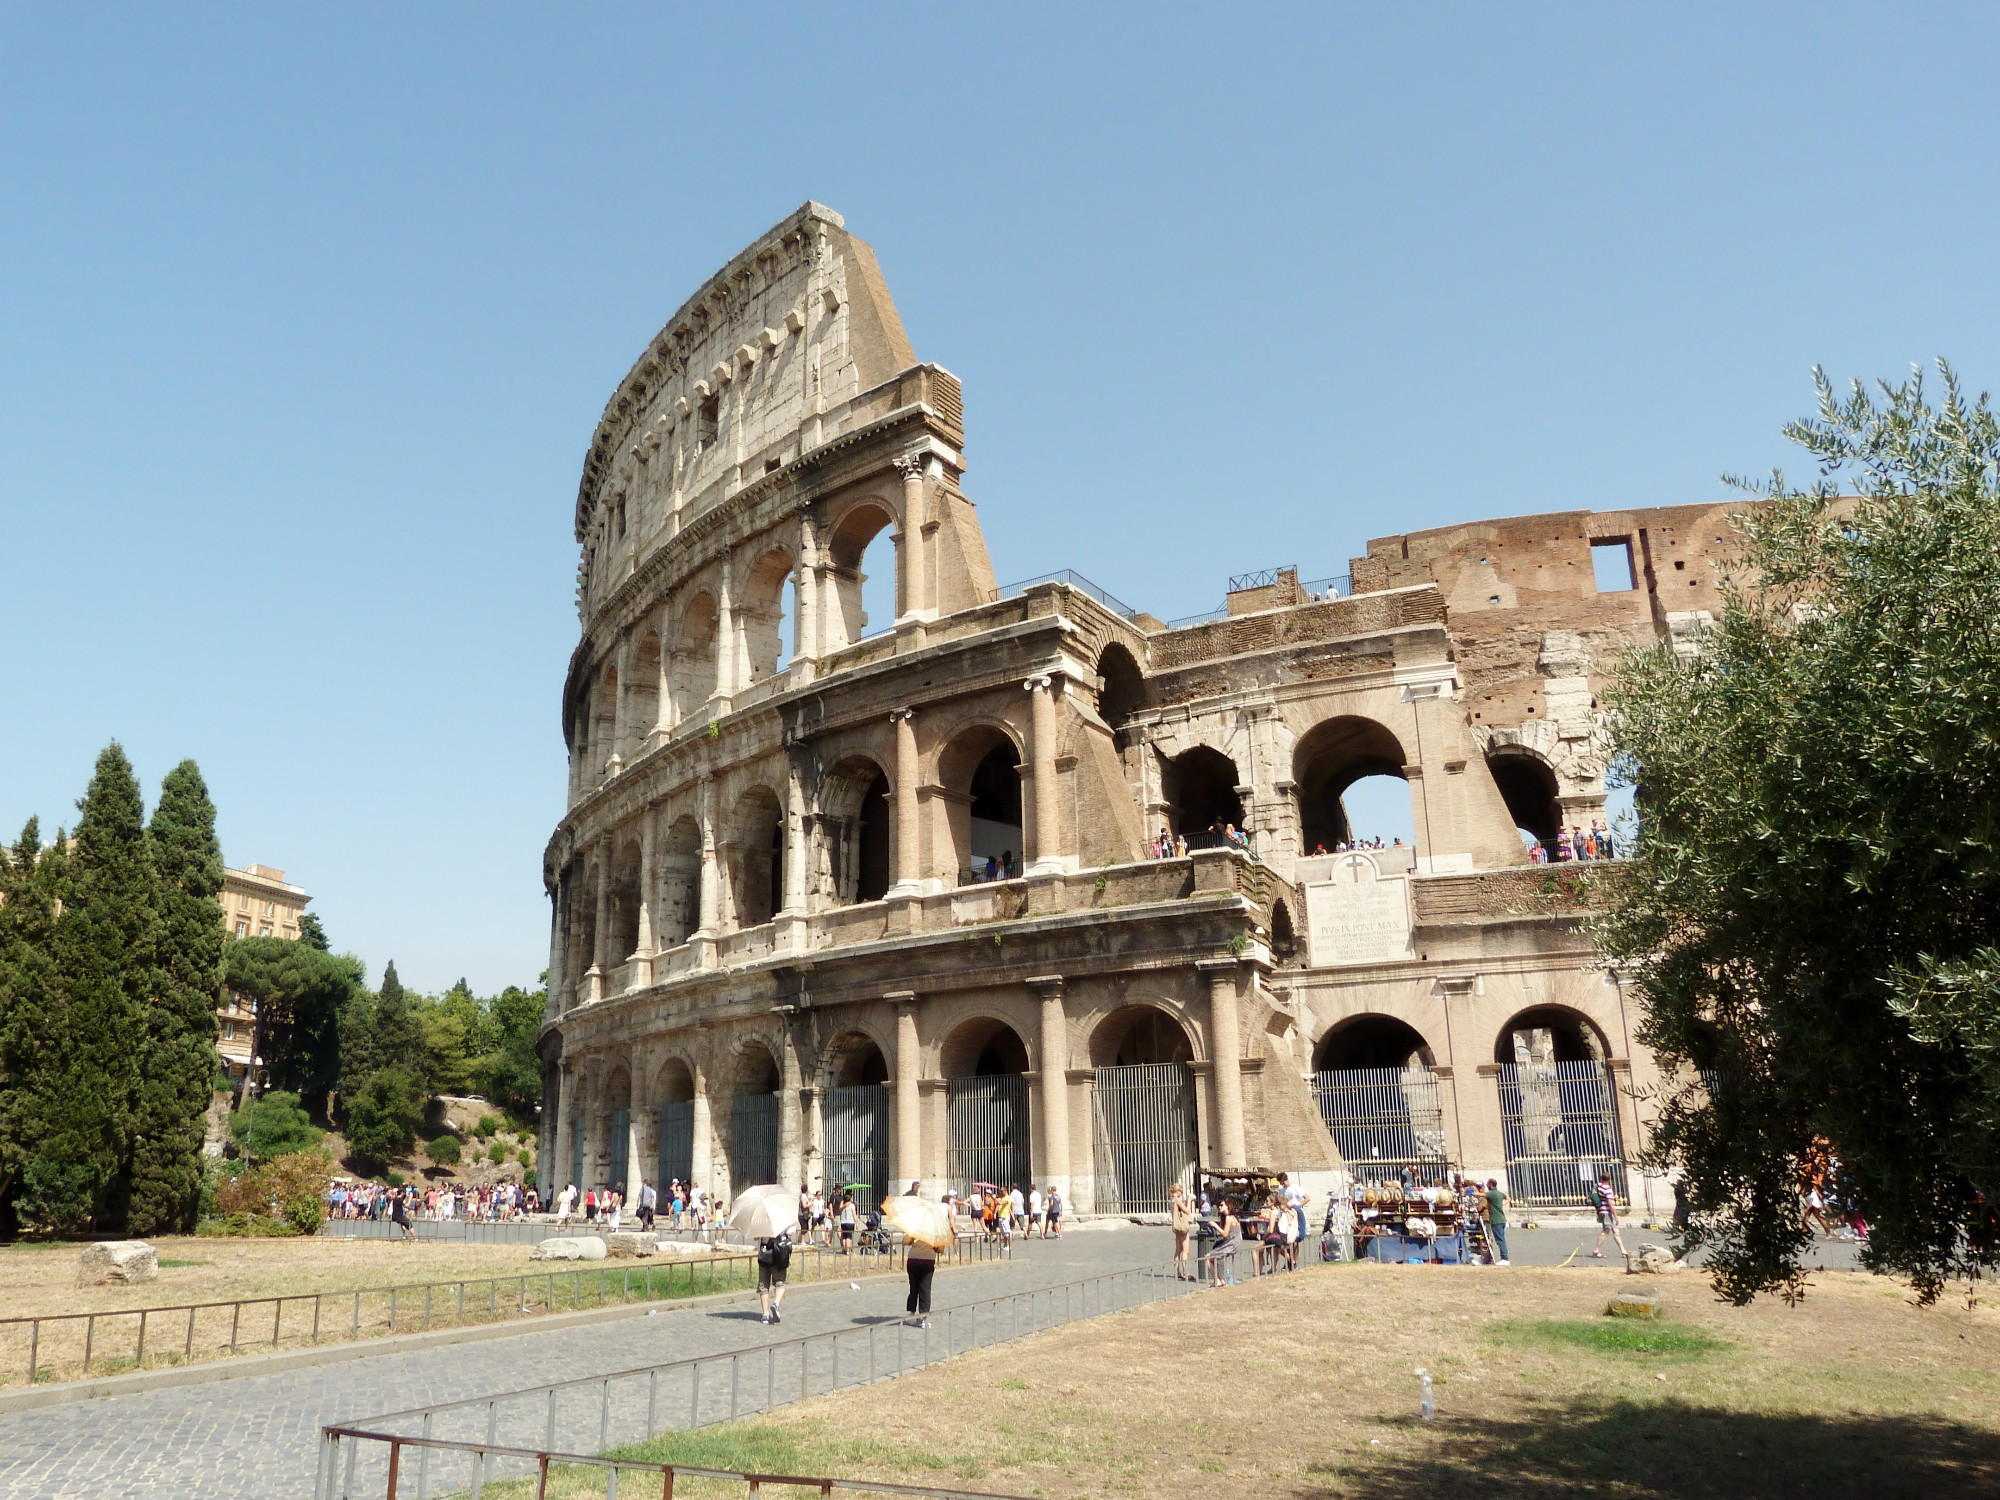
1013,1385
756,1447
167,1264
1611,1336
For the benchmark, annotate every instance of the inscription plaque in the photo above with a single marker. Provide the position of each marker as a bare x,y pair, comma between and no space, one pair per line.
1359,916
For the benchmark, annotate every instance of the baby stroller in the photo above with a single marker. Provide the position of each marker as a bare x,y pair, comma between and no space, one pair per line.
872,1240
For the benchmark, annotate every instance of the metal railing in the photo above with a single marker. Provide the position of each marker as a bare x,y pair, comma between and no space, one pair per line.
67,1345
457,1443
1075,580
1315,590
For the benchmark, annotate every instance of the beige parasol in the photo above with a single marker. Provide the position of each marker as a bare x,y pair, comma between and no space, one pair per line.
764,1213
920,1219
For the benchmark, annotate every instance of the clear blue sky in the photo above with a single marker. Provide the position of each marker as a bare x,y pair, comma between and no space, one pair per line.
306,315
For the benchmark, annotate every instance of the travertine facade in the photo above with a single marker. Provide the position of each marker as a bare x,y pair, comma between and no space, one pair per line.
256,902
772,953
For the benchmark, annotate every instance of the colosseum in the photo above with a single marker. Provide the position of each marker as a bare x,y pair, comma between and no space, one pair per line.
845,899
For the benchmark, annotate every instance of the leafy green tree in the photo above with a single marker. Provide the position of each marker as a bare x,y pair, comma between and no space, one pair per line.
508,1070
399,1037
178,1061
276,1125
300,993
446,1067
1810,910
383,1114
445,1150
312,932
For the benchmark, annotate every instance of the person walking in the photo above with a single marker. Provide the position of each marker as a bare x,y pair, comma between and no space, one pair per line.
1053,1225
649,1202
400,1211
1607,1218
1495,1199
920,1261
1177,1206
774,1260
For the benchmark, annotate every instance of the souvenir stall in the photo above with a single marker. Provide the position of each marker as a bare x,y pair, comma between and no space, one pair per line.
1412,1225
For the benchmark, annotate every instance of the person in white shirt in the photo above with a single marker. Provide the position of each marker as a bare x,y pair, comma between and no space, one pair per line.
1020,1204
565,1203
1034,1211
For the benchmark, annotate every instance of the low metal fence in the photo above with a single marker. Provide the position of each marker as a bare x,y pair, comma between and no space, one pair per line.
457,1448
67,1346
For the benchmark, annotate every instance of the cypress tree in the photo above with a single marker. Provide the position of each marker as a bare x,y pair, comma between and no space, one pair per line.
399,1040
106,945
30,1005
177,1070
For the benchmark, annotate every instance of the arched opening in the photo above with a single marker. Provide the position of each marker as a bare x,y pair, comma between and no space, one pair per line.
642,693
1144,1118
753,1119
604,735
1284,940
1380,1099
1124,690
1547,1034
1558,1107
980,772
1372,1042
618,1129
855,1114
1200,784
1528,787
583,926
680,883
862,570
986,1106
854,823
673,1088
1332,759
625,904
757,858
1139,1036
763,615
693,672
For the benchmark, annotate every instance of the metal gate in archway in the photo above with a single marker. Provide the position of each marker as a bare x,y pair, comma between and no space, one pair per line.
986,1132
1559,1123
753,1141
857,1142
1145,1118
1383,1120
621,1148
676,1143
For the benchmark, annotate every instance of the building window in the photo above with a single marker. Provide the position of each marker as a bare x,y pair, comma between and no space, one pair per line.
709,423
263,929
1611,561
242,928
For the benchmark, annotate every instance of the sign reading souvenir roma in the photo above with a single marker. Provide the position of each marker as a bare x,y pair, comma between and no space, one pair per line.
1360,916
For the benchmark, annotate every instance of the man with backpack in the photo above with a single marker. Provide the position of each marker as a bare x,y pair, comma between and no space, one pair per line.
774,1260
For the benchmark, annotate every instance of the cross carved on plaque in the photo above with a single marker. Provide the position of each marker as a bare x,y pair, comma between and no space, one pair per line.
1353,867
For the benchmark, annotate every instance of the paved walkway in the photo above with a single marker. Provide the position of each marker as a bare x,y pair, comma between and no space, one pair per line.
254,1438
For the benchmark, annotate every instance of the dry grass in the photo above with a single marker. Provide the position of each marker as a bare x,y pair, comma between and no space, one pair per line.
1305,1387
40,1281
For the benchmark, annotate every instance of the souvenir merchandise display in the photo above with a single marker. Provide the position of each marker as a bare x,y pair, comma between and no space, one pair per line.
1411,1223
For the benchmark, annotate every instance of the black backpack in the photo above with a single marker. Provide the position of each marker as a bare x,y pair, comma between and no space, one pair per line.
777,1254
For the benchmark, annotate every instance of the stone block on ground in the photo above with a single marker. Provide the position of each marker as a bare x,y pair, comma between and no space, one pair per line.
629,1242
1652,1260
117,1260
563,1247
1645,1305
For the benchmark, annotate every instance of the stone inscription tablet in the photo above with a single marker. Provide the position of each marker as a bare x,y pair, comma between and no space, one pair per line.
1360,916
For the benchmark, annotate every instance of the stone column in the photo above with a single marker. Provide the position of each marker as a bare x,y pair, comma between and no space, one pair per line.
725,638
807,627
600,960
915,593
908,875
554,1174
1225,1037
642,953
558,1000
1054,1133
711,894
701,1159
815,1153
1047,856
908,1163
791,1115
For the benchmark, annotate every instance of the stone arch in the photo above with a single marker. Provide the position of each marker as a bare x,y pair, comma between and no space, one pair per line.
680,881
693,675
761,615
753,1066
674,1081
625,899
1328,759
982,1046
1371,1040
756,857
617,1090
854,1059
604,719
754,1081
1200,787
1140,1034
583,923
642,693
1284,937
979,777
1124,685
847,543
1550,1034
1529,787
855,831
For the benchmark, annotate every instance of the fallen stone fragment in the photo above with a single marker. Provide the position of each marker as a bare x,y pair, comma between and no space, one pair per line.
117,1260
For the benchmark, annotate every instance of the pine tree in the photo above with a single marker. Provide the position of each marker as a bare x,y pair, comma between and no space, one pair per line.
30,876
399,1040
312,932
106,945
178,1069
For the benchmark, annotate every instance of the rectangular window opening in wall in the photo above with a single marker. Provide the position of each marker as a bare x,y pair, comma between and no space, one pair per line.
710,421
1611,560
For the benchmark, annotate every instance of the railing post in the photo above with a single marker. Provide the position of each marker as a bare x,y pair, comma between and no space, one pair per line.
35,1344
604,1417
188,1351
694,1394
652,1398
395,1461
90,1335
347,1481
139,1359
549,1437
316,1317
424,1464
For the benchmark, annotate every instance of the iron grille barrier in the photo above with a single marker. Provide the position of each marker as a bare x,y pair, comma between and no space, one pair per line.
1383,1120
621,1148
857,1141
986,1132
676,1143
753,1139
456,1446
1145,1135
1559,1125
